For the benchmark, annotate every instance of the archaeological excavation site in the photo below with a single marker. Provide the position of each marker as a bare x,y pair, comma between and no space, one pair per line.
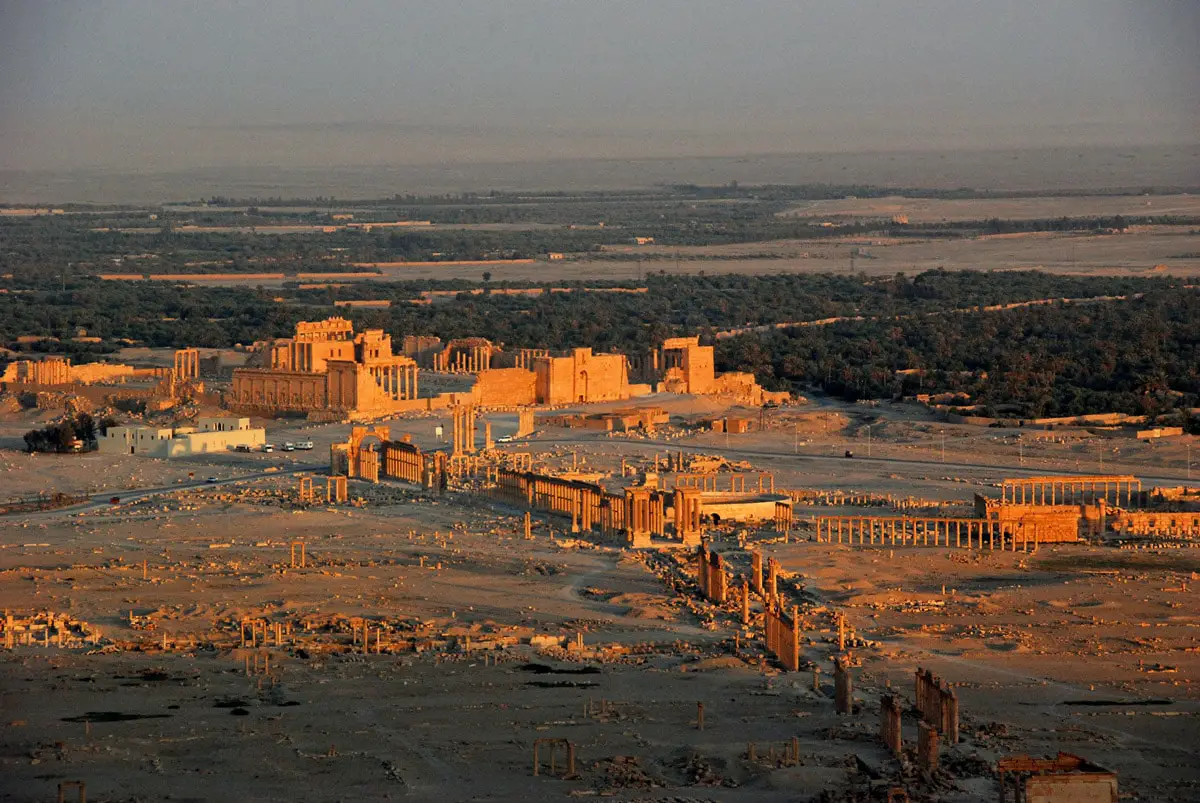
452,570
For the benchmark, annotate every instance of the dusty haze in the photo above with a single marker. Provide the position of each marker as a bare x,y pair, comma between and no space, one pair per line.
162,87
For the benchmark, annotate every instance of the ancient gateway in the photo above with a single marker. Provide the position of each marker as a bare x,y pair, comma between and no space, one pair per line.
327,372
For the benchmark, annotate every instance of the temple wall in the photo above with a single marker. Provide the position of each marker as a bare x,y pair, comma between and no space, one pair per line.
498,387
581,376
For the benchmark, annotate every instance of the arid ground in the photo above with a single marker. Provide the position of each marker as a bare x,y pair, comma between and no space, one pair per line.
1088,649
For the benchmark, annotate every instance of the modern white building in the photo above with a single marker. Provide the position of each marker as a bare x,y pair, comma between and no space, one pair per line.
210,435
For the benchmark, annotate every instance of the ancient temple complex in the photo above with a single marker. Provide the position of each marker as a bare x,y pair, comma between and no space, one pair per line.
327,371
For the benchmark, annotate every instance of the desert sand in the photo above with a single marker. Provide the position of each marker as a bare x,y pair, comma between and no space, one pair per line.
473,632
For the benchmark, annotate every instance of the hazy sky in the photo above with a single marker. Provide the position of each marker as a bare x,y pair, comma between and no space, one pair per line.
162,83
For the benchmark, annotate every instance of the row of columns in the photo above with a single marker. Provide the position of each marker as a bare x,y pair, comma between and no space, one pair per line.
399,380
525,357
187,364
769,590
403,461
368,464
783,517
644,515
938,704
48,371
468,360
639,512
710,575
280,392
908,531
688,507
588,505
737,482
783,635
462,424
1115,490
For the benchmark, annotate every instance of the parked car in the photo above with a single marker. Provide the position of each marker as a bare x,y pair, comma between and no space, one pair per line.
289,447
267,447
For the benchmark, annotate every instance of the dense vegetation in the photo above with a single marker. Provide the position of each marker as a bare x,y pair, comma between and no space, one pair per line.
159,314
1141,355
901,335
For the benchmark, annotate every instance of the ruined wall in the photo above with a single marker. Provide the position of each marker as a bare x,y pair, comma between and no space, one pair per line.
347,386
1090,788
421,348
1159,522
313,357
505,387
741,386
1048,523
104,372
59,371
688,366
315,344
51,371
581,376
283,391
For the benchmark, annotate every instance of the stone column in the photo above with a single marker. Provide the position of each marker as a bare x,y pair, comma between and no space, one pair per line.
843,687
927,746
890,722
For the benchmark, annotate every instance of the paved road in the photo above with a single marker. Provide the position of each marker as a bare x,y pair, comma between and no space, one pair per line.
102,498
733,451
